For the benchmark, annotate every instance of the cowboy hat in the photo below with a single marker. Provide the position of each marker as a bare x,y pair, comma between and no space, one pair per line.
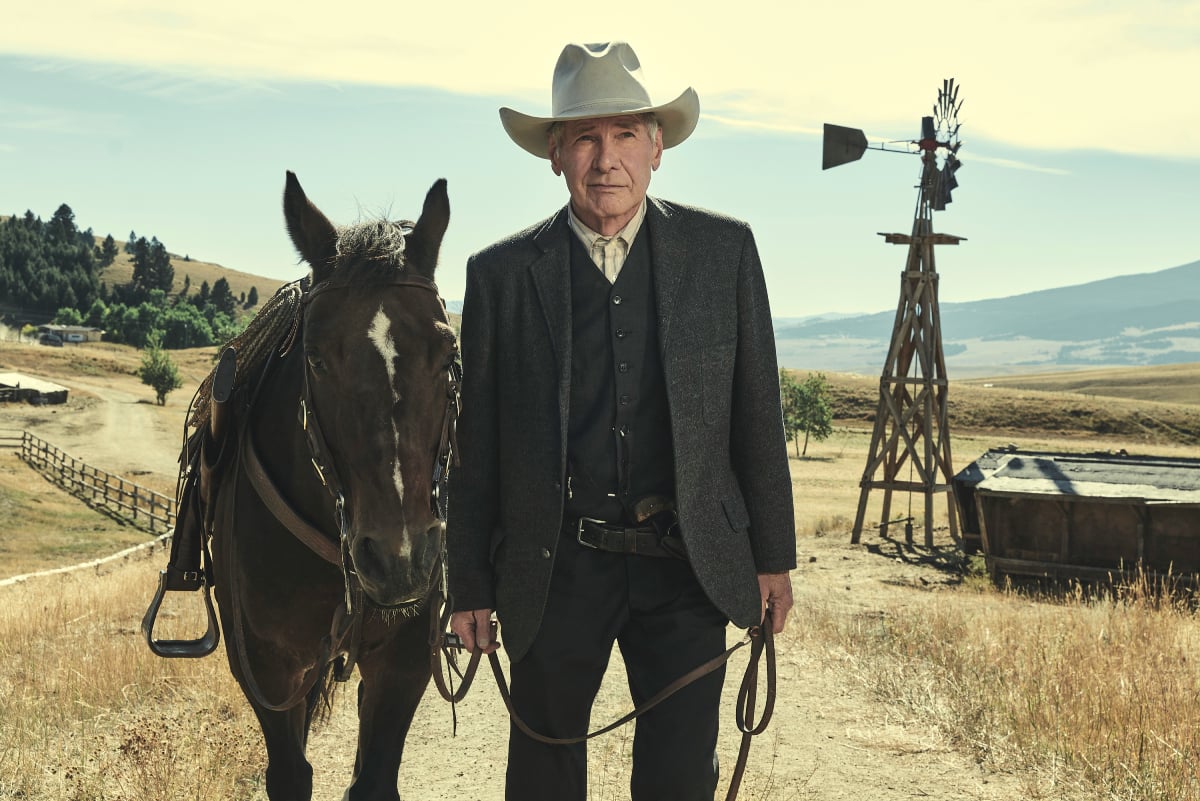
600,80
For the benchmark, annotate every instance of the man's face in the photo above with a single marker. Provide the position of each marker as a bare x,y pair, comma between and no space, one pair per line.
607,164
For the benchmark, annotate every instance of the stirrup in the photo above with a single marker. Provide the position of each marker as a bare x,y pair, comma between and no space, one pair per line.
175,649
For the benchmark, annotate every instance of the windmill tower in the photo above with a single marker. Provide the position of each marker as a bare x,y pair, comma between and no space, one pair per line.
910,444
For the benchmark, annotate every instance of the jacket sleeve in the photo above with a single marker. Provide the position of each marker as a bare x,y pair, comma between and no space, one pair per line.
473,486
757,442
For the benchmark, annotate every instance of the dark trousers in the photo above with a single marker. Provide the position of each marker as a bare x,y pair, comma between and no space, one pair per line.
665,626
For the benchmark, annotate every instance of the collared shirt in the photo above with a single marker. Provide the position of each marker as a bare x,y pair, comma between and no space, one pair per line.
608,252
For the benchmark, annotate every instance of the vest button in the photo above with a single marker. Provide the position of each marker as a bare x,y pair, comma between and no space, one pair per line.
623,367
616,300
621,332
545,553
624,400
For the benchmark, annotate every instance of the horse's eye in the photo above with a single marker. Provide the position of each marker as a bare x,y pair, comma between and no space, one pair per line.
314,360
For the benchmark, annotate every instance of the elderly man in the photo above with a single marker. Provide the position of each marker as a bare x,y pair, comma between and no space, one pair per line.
624,470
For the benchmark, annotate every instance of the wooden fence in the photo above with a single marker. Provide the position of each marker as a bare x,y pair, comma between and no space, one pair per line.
142,507
11,438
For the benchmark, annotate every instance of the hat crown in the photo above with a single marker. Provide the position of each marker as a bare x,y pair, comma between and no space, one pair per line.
598,77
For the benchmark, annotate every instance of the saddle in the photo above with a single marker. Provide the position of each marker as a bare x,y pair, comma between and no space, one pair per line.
207,452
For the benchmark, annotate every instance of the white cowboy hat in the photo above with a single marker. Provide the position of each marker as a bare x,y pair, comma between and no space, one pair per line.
600,80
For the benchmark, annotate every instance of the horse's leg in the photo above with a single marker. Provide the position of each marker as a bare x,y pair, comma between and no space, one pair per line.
394,675
289,774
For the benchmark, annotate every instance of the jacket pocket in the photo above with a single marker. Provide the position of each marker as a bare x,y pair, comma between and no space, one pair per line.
736,514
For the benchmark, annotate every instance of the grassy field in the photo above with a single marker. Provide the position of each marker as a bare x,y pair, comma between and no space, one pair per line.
1046,407
1168,383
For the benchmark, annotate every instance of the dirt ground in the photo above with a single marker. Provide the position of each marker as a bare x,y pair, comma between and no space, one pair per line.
830,739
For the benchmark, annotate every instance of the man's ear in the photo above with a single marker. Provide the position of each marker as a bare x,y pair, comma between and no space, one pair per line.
552,149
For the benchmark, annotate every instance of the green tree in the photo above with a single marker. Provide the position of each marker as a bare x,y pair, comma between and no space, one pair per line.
108,252
67,316
151,267
183,326
222,297
157,370
252,298
806,408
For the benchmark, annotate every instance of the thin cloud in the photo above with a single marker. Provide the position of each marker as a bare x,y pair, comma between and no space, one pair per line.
1013,164
761,125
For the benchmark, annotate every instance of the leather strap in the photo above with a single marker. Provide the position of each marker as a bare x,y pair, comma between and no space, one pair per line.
273,499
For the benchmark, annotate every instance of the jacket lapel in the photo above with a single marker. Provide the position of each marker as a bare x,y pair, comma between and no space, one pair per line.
669,254
551,276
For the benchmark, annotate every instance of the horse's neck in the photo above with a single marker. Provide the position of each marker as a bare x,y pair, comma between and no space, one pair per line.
275,423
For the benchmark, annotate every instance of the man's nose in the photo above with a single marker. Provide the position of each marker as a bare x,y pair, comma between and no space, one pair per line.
606,155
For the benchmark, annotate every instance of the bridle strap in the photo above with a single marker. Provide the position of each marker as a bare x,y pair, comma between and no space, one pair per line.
268,491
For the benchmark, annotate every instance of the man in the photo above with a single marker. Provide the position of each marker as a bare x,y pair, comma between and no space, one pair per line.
624,470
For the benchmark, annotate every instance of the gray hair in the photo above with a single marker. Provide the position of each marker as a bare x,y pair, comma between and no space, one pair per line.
648,118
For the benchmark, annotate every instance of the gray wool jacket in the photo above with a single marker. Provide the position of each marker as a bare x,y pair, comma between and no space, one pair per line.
732,484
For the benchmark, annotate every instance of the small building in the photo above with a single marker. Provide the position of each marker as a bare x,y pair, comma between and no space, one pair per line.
1093,516
20,387
72,333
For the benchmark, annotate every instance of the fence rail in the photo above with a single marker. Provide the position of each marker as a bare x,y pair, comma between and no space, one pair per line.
11,438
142,507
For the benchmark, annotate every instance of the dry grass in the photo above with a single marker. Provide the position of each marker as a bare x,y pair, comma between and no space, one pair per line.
1084,693
1097,693
1008,409
1167,383
88,713
47,529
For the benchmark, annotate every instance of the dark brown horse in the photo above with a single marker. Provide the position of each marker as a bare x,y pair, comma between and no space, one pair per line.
326,534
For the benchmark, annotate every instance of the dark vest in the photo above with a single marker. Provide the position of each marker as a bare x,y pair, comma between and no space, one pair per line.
619,431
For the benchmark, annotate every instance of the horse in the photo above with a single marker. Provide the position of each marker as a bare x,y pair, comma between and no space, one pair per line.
326,528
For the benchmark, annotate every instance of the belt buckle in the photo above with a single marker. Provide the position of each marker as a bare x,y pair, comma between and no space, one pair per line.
579,532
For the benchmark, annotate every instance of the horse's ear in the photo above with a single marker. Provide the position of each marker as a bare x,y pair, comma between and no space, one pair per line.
312,233
422,245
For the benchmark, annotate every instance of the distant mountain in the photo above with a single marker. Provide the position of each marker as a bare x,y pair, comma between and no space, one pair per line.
1143,319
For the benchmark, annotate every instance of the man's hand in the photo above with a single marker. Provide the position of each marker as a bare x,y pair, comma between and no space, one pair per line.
476,630
776,591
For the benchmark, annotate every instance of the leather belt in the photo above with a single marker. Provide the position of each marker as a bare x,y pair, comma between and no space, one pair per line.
616,538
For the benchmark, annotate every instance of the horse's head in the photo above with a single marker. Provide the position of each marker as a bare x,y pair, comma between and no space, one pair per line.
379,357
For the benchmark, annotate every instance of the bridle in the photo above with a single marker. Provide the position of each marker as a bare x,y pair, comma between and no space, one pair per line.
346,627
318,448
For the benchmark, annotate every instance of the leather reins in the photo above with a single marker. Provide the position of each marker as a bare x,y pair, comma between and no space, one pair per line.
347,617
760,639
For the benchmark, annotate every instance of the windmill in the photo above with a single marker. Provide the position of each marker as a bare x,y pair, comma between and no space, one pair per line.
910,444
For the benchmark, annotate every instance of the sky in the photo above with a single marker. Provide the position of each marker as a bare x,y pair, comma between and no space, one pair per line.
1080,127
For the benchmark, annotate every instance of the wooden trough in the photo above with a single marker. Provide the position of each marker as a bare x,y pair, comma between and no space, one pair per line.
1094,516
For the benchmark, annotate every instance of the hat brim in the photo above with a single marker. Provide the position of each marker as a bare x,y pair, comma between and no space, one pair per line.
677,120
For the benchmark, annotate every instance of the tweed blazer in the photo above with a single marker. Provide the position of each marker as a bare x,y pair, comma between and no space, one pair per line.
732,485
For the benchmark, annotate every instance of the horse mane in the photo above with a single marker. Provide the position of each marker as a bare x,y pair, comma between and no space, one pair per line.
379,242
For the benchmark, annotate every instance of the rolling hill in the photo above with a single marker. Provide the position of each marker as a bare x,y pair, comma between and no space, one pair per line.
1142,319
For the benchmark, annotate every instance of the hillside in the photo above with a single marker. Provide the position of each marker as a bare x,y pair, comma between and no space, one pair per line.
1142,319
1045,405
121,272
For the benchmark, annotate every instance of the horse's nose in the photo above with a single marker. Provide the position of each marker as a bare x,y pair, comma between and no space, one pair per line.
391,576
